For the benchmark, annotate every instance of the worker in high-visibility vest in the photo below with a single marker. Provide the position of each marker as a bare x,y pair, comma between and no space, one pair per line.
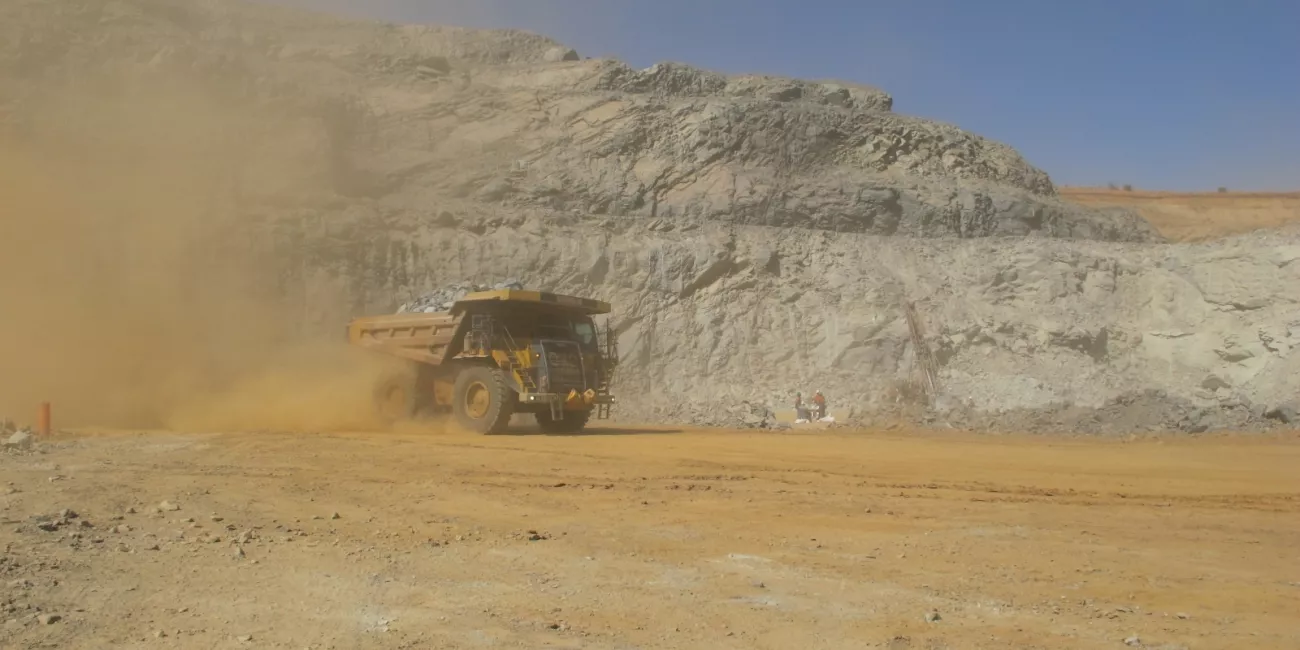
800,411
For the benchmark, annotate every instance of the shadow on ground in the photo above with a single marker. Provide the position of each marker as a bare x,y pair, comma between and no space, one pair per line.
592,431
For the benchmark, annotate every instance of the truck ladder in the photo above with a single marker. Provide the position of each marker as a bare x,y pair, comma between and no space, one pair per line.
609,359
512,362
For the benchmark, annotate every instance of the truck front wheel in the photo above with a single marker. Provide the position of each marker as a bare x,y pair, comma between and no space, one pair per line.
482,401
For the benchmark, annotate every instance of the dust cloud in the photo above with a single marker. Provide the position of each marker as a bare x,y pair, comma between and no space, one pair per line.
474,13
306,387
134,287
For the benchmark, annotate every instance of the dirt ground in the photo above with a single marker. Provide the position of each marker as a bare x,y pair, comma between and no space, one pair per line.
1197,216
650,538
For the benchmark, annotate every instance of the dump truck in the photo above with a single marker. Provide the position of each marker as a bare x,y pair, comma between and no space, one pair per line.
494,354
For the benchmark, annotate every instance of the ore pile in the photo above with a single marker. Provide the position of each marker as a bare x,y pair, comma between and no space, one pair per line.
442,299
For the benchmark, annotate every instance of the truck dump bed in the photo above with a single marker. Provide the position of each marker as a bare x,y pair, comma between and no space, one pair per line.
583,305
429,338
423,338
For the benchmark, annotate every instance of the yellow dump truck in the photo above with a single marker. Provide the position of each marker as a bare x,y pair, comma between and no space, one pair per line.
497,353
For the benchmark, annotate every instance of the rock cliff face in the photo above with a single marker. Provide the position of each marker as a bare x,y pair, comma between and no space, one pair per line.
417,115
675,142
711,316
757,235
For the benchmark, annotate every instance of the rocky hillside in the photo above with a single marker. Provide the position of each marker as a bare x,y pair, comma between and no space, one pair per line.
757,235
418,115
713,316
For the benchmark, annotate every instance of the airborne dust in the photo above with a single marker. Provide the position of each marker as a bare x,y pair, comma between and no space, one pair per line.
134,289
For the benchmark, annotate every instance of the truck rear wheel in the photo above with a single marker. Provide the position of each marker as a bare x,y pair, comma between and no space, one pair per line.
482,401
570,422
395,400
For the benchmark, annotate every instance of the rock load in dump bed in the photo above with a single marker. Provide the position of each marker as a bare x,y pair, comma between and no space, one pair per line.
444,298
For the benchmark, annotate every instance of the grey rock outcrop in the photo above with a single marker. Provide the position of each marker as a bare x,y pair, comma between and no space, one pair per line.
1036,335
19,440
674,142
419,115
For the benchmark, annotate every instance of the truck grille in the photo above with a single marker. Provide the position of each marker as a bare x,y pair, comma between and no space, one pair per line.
564,366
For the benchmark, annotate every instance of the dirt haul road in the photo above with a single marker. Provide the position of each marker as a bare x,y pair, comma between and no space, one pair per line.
650,539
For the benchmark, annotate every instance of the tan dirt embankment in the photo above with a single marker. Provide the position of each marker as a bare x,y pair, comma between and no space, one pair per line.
1197,216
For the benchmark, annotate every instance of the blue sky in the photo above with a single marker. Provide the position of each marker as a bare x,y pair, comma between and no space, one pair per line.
1162,94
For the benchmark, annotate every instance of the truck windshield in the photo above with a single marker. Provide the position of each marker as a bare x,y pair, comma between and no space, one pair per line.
585,332
564,328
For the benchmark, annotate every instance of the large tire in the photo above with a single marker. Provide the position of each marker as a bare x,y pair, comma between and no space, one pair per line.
482,401
570,422
395,400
